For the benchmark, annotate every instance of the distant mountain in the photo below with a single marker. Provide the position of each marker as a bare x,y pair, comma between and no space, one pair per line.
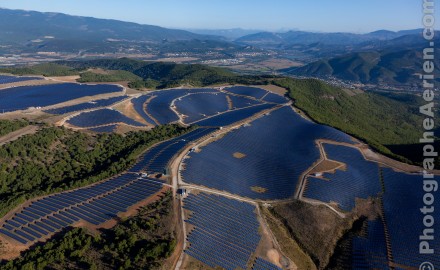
21,26
31,31
307,38
387,67
229,34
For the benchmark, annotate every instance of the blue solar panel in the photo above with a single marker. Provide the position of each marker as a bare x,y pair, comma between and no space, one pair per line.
102,117
359,180
270,97
231,117
247,91
104,129
402,201
261,264
4,79
13,236
273,151
241,102
225,233
139,105
87,105
199,106
20,98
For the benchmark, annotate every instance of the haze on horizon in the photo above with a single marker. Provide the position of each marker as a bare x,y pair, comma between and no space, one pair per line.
320,15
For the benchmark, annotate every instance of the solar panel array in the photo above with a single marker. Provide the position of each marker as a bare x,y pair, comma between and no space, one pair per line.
101,117
270,97
87,105
241,102
360,180
231,117
4,79
402,201
225,233
199,106
159,106
277,149
139,106
104,129
247,91
94,204
157,158
370,252
23,97
261,264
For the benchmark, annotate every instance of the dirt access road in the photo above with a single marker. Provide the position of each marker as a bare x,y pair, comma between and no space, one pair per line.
12,136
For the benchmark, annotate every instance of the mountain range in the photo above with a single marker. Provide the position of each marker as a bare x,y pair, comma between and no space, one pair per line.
307,38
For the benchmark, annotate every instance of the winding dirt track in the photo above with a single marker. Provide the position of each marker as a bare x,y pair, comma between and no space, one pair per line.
12,136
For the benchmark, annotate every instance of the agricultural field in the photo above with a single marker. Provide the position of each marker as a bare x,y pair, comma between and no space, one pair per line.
234,159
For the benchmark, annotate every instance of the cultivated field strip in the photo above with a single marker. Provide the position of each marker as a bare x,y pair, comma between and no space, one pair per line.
359,180
370,250
24,97
402,200
87,105
101,117
226,231
261,264
5,79
94,204
263,160
157,158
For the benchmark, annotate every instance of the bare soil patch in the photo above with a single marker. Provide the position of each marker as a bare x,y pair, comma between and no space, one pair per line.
258,189
64,78
327,166
276,63
315,228
238,155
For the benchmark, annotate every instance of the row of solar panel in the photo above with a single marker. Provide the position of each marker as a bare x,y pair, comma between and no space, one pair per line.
104,129
96,205
139,106
102,117
87,105
271,153
261,264
4,79
156,159
359,180
403,217
370,251
24,97
226,230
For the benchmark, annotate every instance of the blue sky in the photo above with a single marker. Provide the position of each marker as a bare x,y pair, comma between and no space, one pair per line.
357,16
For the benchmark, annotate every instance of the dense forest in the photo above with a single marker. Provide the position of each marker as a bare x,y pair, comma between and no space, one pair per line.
10,126
56,159
143,241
